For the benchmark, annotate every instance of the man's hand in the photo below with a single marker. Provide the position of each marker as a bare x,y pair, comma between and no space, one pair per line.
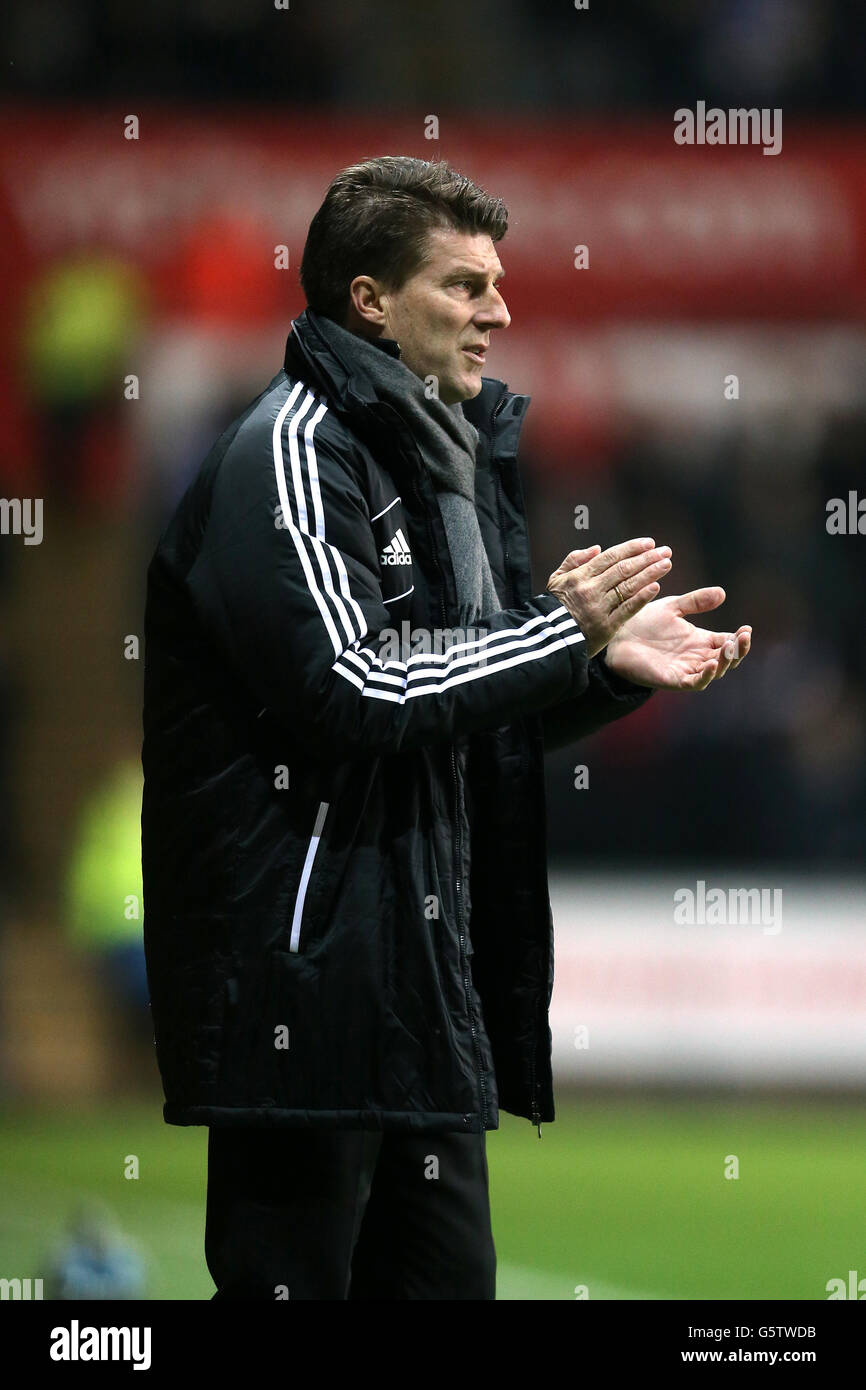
660,648
602,590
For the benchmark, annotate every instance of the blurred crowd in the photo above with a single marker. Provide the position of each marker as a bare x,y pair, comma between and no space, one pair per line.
770,765
481,58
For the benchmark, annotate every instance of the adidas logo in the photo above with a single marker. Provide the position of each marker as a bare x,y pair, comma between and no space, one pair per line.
396,552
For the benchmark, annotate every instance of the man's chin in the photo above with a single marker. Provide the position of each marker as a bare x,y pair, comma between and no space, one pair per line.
463,390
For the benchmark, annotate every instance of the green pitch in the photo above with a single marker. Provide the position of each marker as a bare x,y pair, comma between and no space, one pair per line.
627,1198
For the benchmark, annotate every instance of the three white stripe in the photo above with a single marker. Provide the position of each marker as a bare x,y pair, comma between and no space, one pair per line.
433,672
328,602
555,637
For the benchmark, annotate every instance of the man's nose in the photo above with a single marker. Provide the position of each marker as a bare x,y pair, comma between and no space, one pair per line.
494,313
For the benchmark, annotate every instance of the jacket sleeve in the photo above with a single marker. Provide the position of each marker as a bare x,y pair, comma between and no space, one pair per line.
286,586
606,697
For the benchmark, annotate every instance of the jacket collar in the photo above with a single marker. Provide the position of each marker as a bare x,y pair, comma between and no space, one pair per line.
310,356
346,384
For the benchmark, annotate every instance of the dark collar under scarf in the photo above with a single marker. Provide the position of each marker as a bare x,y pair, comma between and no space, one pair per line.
446,440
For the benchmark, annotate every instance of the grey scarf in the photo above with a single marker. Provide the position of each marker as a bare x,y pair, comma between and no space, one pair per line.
447,443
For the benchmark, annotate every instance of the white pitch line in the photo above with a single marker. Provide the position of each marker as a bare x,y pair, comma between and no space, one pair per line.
520,1283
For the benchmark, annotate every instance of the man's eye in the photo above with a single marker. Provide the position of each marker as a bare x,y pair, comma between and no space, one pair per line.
470,284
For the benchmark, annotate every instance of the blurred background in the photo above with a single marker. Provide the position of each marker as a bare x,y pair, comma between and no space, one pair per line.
699,379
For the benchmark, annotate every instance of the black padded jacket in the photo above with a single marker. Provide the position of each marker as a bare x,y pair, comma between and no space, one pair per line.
346,911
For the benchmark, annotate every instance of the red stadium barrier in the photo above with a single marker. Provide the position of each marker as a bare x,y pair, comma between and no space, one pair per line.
671,230
675,235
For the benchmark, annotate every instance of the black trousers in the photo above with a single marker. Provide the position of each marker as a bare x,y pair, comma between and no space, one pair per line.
348,1214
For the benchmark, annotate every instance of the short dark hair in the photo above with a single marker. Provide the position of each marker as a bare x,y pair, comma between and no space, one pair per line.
375,220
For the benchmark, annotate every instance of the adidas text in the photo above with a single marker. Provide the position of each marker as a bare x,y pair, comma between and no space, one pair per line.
396,552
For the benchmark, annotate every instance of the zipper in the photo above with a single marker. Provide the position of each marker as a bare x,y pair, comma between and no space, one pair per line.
496,475
467,981
461,939
533,1080
307,870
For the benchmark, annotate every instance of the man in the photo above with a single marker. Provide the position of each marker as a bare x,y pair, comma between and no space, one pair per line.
347,924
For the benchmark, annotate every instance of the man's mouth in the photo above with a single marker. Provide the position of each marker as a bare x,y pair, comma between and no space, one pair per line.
478,352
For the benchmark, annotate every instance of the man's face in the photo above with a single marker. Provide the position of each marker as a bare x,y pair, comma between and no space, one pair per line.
444,314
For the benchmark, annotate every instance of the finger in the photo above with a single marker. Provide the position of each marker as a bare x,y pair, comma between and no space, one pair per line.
574,560
627,588
741,638
699,680
742,643
631,606
718,666
637,570
578,557
700,600
734,640
625,551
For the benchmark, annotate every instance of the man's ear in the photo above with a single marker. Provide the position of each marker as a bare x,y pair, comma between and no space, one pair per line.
367,306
